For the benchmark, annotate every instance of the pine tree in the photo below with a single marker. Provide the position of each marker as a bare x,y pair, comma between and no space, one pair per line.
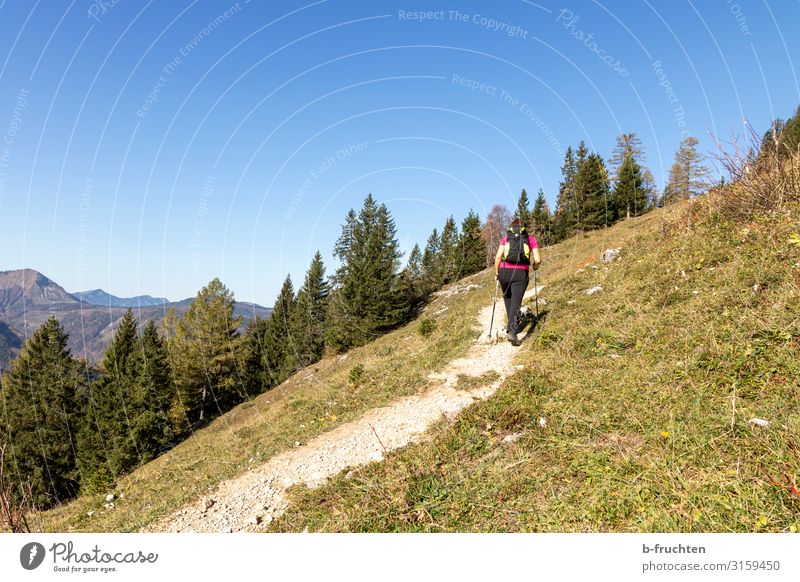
592,185
412,278
630,195
41,415
471,246
309,314
205,352
688,176
449,266
541,220
524,209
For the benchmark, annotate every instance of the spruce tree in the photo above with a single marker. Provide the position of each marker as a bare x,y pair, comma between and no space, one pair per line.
449,265
309,314
114,395
472,247
155,392
255,365
541,220
524,209
41,415
430,258
630,195
281,346
369,298
592,185
565,218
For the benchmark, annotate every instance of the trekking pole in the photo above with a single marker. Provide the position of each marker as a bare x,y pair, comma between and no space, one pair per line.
491,323
536,293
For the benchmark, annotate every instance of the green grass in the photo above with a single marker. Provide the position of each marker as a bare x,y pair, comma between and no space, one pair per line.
336,390
646,388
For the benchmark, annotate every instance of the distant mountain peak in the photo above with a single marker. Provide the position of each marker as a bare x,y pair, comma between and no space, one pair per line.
105,299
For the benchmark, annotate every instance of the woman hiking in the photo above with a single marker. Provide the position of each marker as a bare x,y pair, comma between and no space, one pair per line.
517,253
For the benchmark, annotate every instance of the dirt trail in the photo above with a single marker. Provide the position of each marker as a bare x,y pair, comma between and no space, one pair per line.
251,501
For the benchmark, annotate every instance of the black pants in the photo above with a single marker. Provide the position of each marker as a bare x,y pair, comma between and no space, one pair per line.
513,283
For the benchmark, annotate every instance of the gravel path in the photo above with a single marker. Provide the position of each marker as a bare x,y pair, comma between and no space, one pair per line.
251,501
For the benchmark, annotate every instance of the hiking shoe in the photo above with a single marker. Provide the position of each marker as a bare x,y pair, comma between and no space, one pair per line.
512,337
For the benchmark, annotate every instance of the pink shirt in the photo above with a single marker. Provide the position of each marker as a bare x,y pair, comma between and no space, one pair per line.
532,243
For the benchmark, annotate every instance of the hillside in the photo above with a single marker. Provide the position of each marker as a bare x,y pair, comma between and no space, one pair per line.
626,409
331,394
640,407
28,298
10,342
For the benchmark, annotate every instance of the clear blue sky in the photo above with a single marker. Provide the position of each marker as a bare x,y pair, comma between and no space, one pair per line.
148,147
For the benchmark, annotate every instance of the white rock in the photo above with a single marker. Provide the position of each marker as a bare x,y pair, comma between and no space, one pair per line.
580,271
520,367
610,255
593,290
255,520
297,443
571,302
695,292
268,519
542,422
758,422
512,438
109,497
90,513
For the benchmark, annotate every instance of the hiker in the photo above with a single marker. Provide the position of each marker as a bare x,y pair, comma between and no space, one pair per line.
517,253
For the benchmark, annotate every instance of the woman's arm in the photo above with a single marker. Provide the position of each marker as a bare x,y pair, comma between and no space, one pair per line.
537,258
497,259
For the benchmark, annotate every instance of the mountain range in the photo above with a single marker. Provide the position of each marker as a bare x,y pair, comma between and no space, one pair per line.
28,298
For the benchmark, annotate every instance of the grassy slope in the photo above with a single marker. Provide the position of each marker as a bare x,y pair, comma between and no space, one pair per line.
311,402
647,388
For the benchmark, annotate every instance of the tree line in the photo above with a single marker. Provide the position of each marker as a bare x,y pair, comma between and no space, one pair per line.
68,427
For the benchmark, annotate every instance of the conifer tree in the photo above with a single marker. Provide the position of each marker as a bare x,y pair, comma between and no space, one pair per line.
369,298
256,368
155,392
688,176
472,247
592,185
205,352
524,210
565,218
541,219
309,314
448,260
281,353
630,195
114,395
430,258
412,278
40,396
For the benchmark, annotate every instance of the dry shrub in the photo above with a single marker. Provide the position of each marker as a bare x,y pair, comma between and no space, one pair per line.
764,176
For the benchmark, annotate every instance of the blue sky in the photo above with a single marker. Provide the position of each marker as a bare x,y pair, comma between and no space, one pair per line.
150,146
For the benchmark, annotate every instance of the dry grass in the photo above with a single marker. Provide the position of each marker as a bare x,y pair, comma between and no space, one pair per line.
646,390
311,402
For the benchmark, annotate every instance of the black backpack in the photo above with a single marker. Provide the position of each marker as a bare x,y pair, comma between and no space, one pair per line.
517,241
